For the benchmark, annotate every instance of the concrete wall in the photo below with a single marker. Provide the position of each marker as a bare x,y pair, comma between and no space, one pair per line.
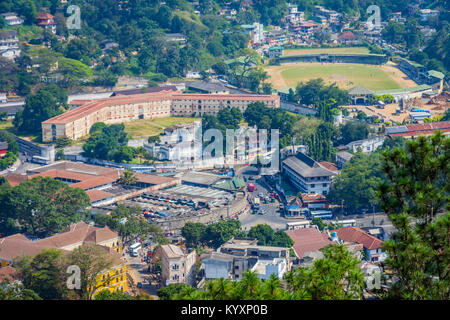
212,216
31,149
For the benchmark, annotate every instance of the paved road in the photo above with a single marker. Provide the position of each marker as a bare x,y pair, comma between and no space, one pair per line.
272,216
139,273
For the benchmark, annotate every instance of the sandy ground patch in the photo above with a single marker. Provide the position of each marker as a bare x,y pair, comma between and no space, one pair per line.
389,112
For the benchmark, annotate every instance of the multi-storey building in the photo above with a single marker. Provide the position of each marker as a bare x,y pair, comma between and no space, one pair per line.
46,21
177,266
9,44
113,278
306,174
77,122
241,254
11,18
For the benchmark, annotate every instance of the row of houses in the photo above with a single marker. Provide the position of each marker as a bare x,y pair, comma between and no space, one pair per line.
238,255
9,41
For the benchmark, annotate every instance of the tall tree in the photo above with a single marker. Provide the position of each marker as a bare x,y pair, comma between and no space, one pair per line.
48,102
416,199
43,206
45,274
92,261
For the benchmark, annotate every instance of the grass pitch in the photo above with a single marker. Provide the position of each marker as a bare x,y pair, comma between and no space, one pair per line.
344,75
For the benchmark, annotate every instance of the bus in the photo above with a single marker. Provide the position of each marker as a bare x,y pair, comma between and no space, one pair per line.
298,225
251,187
134,249
322,214
348,223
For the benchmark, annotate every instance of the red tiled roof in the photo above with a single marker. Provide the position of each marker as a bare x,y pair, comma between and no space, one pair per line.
307,240
354,234
80,102
17,245
63,174
93,182
347,35
79,233
203,96
8,272
46,23
95,195
99,104
313,197
43,15
423,129
328,165
152,178
14,179
309,24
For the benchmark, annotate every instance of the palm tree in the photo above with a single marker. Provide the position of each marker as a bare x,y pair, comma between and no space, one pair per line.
128,178
220,289
249,286
272,288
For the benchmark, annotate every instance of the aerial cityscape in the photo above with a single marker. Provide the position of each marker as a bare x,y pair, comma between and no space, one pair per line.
224,150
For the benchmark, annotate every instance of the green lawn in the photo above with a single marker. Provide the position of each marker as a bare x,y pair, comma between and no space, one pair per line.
145,128
8,126
344,75
326,50
170,121
142,129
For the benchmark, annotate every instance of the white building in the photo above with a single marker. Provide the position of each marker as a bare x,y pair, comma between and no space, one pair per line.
178,144
295,17
12,19
177,266
9,44
306,174
256,32
265,268
3,98
366,145
426,14
342,157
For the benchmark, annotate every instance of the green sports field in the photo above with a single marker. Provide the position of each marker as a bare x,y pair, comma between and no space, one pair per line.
345,75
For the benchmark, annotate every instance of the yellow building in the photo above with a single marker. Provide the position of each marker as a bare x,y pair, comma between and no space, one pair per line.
113,279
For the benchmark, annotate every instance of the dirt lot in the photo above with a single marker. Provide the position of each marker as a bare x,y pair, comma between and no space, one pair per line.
388,113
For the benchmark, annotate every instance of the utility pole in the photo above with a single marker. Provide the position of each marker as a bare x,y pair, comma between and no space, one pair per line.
373,215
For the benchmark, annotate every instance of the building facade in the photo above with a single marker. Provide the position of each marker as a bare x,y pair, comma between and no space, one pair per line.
306,174
77,122
9,44
177,266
